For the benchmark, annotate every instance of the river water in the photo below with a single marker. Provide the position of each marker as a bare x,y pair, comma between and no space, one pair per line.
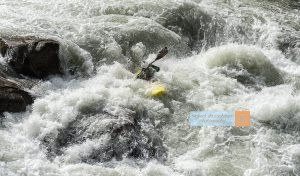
224,55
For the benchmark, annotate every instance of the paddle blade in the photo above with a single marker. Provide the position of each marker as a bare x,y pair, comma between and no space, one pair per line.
162,53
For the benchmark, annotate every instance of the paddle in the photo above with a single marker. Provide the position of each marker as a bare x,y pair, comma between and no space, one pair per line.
162,53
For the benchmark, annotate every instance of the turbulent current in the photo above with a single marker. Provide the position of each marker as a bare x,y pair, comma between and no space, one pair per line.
96,119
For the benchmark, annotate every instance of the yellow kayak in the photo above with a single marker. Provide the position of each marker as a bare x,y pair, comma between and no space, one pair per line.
155,89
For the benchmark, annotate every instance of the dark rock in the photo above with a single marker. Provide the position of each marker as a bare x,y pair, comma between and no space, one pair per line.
32,56
135,137
12,97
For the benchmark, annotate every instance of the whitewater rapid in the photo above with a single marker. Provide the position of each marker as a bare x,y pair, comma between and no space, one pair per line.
233,55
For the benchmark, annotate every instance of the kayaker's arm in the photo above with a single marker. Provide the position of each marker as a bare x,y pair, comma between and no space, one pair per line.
148,72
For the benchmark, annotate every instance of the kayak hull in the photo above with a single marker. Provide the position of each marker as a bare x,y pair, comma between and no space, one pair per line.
156,90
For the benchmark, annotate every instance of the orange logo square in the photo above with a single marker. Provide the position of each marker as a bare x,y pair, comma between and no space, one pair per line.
242,118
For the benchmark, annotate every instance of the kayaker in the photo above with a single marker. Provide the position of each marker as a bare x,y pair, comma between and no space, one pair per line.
148,72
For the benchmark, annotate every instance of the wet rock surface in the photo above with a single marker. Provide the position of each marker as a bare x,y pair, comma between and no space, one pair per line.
12,96
32,56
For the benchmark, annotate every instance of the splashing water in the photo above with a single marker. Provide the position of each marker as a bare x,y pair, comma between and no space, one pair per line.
224,55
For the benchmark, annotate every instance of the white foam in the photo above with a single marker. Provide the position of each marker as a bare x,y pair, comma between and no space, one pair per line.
265,148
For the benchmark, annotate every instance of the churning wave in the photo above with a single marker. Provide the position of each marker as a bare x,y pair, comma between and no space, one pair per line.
97,120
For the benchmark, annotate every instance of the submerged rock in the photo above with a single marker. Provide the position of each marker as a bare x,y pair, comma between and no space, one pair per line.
108,137
290,46
12,97
194,24
32,56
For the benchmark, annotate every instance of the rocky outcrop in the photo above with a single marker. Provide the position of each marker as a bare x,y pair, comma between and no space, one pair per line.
12,97
32,56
